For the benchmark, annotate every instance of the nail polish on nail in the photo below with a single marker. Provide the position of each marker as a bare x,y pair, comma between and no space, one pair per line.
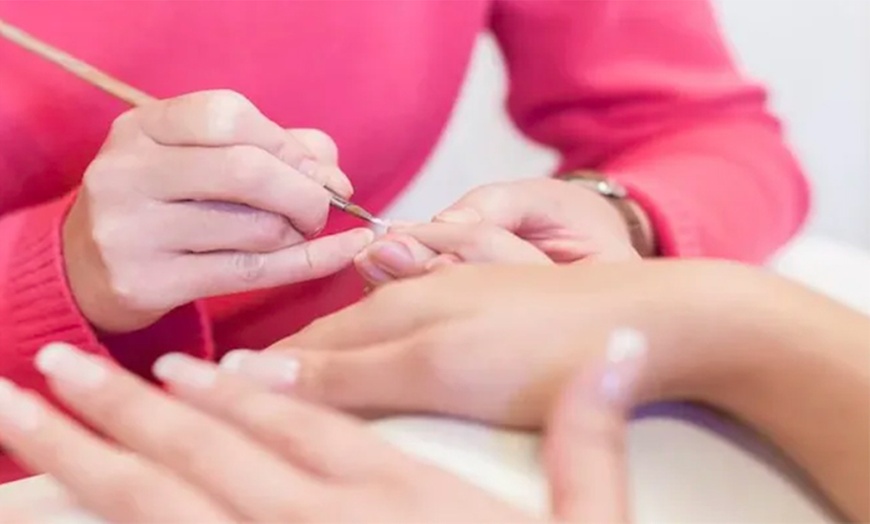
70,365
372,272
232,360
17,409
459,216
394,257
626,349
269,369
183,370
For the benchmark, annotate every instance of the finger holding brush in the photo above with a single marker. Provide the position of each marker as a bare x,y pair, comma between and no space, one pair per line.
197,196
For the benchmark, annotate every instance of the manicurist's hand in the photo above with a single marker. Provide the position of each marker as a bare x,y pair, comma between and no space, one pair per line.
218,449
530,221
197,196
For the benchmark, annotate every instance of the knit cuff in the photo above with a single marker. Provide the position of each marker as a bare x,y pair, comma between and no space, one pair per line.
675,228
41,307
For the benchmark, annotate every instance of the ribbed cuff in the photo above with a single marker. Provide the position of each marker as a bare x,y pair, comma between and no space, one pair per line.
41,308
675,228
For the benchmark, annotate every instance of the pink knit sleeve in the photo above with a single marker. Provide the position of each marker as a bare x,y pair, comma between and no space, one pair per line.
36,306
647,93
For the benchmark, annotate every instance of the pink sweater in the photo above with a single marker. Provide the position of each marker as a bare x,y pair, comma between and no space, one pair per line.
644,90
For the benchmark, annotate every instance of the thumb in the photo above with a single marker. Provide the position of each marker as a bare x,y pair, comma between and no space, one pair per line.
584,448
375,378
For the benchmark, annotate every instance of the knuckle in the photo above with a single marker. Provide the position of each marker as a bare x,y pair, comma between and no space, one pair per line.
248,267
432,360
124,122
172,441
267,231
320,143
224,112
127,486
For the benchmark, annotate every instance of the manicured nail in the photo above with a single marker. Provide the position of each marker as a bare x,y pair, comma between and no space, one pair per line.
184,370
459,216
17,409
366,236
394,257
625,354
370,271
269,369
232,360
70,365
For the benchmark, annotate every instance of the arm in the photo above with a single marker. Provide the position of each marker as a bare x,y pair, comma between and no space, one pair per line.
792,364
647,93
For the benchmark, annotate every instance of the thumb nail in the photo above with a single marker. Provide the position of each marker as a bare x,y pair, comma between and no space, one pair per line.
459,216
272,370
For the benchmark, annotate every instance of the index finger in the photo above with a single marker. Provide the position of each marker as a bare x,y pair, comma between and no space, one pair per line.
226,118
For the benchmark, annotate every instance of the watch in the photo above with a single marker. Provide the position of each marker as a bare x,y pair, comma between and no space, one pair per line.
617,195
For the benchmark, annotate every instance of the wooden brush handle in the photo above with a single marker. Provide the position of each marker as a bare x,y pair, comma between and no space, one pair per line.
83,70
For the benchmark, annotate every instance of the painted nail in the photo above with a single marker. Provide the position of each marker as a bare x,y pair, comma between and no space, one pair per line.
184,370
371,272
459,216
232,360
394,257
70,365
17,409
269,369
625,354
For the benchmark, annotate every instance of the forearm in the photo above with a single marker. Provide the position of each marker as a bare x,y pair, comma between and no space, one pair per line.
794,366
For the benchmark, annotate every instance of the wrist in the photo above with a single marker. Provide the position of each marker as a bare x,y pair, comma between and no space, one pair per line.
719,322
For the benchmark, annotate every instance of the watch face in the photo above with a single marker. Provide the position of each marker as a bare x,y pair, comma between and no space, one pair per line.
601,185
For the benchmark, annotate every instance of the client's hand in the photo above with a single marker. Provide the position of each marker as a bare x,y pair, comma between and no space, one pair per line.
411,250
493,343
536,221
227,451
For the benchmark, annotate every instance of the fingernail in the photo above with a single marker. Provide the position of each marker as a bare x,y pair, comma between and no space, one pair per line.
231,360
184,370
459,216
17,409
371,272
394,257
308,167
67,364
366,236
626,350
269,369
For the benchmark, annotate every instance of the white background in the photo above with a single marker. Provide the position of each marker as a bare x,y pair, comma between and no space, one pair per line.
813,54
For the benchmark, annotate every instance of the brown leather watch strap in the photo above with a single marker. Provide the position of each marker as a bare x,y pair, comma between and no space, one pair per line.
616,194
639,238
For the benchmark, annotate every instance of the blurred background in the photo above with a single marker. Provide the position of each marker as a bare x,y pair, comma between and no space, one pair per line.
814,55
